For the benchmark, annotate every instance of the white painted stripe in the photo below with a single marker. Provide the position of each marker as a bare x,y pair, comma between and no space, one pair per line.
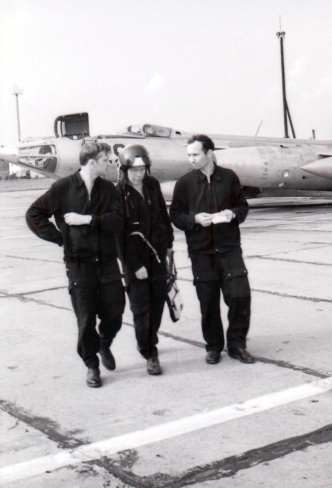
161,432
11,208
17,237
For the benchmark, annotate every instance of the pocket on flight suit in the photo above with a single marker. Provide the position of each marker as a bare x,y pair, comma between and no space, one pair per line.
77,277
204,267
237,282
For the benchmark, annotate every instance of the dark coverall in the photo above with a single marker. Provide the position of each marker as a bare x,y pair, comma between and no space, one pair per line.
147,297
90,255
215,252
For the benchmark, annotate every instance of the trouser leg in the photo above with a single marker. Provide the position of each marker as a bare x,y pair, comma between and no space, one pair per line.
239,321
85,304
158,293
236,291
208,293
110,310
147,302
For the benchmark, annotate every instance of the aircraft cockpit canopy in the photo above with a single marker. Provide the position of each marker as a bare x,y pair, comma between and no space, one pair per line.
147,130
156,130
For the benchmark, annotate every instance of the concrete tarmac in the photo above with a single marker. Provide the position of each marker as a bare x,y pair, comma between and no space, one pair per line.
228,425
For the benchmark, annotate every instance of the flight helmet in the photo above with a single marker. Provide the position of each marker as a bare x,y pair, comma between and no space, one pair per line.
134,155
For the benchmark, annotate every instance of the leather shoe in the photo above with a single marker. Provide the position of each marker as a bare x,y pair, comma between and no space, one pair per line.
242,355
107,358
213,357
153,366
93,378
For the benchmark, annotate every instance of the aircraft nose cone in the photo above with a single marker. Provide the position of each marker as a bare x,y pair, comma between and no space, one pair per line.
9,154
321,167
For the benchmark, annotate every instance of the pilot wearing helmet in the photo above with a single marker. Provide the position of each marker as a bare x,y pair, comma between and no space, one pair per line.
143,247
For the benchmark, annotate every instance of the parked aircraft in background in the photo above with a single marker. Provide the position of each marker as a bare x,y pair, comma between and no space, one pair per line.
260,162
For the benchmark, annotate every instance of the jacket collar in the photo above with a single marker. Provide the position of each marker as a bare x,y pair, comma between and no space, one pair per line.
202,177
78,180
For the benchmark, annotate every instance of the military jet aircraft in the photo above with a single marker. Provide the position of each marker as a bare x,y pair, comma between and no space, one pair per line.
260,162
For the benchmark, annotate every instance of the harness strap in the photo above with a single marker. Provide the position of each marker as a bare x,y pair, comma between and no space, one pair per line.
136,233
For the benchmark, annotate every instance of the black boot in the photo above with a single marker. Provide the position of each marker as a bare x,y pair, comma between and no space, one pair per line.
242,355
153,366
93,378
107,358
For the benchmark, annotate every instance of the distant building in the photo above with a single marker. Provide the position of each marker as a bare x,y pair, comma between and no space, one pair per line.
18,172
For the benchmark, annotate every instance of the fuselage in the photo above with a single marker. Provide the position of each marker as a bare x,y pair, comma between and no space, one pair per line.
262,162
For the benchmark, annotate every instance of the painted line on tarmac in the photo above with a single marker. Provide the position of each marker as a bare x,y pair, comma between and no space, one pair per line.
158,433
12,208
17,237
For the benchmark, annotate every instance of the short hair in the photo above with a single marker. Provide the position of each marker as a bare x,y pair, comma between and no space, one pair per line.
207,143
90,150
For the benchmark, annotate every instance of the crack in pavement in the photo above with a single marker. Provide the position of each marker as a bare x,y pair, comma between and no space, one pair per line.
42,424
121,467
275,362
293,241
224,468
17,295
32,259
288,260
261,229
294,367
230,466
298,297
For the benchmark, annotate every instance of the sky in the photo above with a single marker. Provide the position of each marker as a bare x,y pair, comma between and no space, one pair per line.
209,66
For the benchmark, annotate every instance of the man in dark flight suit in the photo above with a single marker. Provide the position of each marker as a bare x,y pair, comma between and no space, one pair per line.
144,246
87,212
208,205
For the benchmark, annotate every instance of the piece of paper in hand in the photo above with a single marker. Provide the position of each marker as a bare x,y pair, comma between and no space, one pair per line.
219,219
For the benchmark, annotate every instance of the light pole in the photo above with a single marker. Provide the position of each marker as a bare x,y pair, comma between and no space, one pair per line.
17,91
281,37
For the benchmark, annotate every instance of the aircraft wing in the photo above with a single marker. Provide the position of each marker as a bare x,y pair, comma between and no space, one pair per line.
216,148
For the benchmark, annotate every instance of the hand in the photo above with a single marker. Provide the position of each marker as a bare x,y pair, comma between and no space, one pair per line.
73,218
141,274
204,219
228,214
